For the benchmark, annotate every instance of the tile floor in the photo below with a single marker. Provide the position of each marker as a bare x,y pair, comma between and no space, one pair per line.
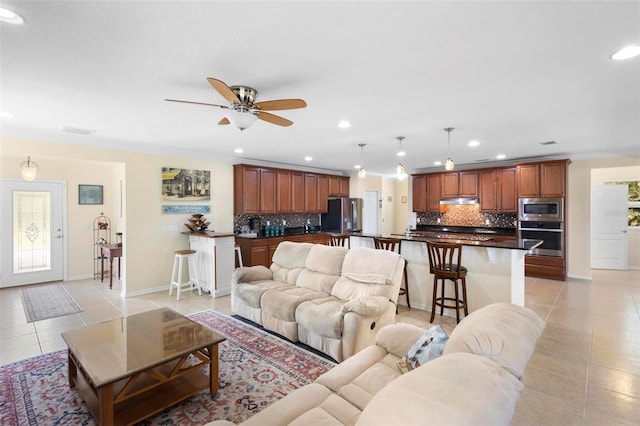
585,370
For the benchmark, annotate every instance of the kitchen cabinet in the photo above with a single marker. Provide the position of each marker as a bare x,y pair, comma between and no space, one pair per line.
310,193
283,191
552,268
338,186
323,193
546,179
259,251
254,190
497,190
419,193
460,184
297,192
434,193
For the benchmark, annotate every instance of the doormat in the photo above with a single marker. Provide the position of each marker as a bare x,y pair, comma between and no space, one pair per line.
47,301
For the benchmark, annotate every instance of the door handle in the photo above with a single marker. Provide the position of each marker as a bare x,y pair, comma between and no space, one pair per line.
624,232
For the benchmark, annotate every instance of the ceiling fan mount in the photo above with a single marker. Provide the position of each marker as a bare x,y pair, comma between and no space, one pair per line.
242,102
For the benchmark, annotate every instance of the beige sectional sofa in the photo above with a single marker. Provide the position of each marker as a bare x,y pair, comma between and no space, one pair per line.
476,381
330,298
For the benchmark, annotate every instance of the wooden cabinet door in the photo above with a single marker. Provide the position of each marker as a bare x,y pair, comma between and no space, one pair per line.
267,191
310,193
323,193
246,189
507,191
419,193
260,256
434,189
450,185
283,191
553,179
468,184
488,192
334,186
297,192
528,180
344,186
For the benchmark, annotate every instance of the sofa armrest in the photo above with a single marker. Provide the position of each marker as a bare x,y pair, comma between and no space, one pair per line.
248,274
398,338
367,306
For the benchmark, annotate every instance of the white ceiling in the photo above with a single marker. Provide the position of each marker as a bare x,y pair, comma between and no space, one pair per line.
508,74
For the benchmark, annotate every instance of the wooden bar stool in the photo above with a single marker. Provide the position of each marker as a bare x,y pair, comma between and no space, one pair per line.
390,244
176,274
445,264
340,241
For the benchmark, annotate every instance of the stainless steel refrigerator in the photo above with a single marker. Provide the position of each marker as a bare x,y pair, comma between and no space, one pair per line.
344,215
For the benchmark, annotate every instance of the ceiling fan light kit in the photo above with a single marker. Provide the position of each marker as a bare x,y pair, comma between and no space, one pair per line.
243,111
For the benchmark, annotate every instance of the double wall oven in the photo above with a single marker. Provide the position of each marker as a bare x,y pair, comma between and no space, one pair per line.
542,219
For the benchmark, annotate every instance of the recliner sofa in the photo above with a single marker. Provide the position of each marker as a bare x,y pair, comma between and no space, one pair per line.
330,298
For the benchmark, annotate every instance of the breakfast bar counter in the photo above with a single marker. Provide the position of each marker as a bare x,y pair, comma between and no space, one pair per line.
495,264
215,260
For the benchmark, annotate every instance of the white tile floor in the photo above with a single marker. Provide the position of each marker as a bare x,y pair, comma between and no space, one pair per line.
585,370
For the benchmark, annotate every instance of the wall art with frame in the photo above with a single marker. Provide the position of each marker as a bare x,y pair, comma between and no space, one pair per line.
185,184
90,194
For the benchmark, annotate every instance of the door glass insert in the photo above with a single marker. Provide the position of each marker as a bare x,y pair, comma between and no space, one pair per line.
31,231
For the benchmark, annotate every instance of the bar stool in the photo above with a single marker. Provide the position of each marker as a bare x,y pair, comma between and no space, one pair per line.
381,243
445,264
340,241
176,274
239,255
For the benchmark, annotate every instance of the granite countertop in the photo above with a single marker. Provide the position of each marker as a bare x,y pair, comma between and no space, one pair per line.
467,239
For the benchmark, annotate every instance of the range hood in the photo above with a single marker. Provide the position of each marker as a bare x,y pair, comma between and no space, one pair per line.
458,201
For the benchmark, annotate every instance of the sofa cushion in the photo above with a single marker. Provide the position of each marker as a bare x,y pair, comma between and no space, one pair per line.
428,347
282,302
398,338
503,332
321,316
456,389
288,260
251,294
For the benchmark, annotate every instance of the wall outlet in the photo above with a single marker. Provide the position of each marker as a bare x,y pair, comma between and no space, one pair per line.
438,220
486,222
284,222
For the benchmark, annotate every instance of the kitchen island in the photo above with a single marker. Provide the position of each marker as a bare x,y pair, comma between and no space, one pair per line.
215,260
495,264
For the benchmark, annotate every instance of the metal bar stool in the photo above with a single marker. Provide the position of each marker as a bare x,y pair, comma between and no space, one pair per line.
381,243
176,274
445,264
340,241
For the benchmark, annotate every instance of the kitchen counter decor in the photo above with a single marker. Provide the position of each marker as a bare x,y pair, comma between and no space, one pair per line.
197,223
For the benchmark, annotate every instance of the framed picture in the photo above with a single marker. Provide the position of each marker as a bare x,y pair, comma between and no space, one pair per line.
185,184
90,194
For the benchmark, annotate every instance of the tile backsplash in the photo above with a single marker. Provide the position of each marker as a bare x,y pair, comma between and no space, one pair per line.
292,220
467,215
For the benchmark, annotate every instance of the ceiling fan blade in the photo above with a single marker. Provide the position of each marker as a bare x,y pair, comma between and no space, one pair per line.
224,90
273,119
224,121
196,103
280,104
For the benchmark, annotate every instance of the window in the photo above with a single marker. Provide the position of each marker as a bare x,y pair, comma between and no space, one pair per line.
634,201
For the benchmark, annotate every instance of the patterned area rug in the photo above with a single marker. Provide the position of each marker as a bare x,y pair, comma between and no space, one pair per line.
256,369
47,301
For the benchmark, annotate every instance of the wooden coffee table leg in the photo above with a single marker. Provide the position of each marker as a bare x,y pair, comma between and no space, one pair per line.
72,370
105,393
213,370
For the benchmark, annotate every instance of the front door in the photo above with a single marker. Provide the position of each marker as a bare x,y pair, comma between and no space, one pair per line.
31,232
609,222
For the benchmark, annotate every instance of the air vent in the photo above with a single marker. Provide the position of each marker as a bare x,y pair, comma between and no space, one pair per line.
77,130
548,143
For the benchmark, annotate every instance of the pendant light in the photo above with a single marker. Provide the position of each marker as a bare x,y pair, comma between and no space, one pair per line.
362,173
402,175
29,169
449,164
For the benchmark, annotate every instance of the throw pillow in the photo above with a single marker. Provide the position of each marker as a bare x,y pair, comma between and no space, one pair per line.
429,346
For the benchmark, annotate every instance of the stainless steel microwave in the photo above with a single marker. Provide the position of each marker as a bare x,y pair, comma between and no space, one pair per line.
541,209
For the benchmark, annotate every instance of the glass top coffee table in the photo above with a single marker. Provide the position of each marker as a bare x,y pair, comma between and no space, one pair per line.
131,368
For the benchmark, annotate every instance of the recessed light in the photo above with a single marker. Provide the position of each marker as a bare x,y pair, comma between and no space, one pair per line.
626,52
6,114
473,143
308,158
357,167
401,153
437,163
11,17
501,156
344,124
238,150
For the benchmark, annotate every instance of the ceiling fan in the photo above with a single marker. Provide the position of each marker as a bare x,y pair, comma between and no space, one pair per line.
243,110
